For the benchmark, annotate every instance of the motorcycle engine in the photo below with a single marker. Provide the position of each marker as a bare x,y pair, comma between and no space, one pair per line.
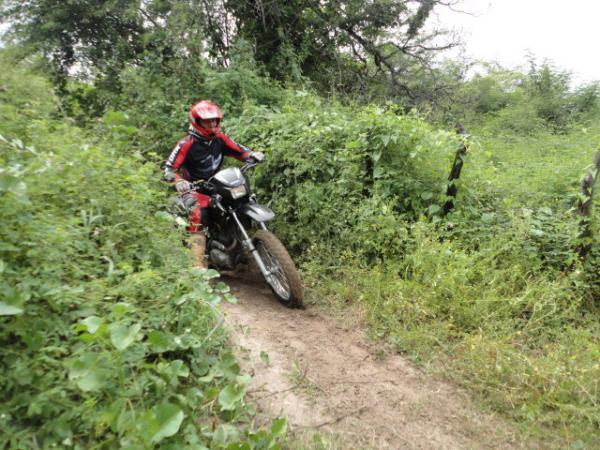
219,257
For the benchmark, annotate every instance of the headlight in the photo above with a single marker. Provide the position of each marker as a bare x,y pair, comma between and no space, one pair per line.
238,191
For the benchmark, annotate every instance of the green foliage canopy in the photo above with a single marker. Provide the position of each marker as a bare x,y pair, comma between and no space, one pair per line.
345,40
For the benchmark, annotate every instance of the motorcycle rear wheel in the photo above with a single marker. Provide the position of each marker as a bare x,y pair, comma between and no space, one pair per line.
286,284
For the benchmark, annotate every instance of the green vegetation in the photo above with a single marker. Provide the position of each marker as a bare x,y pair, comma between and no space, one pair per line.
107,339
104,335
346,179
492,295
369,49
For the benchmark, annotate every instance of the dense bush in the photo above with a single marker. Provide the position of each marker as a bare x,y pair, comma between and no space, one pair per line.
106,338
346,178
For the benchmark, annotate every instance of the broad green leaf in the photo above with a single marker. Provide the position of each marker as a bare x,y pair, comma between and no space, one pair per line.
243,380
209,377
169,417
161,422
211,273
159,341
261,439
434,209
9,310
92,323
184,298
91,381
224,435
122,336
230,397
279,427
87,373
172,370
214,299
230,298
180,369
120,309
221,287
207,274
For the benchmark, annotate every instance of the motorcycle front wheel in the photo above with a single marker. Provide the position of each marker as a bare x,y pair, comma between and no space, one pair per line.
285,280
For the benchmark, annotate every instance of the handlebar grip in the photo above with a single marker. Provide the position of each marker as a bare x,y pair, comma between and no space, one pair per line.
204,186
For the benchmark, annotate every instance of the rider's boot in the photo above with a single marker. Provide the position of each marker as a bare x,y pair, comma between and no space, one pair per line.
197,243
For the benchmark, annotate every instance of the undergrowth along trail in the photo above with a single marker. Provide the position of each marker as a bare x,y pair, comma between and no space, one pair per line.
339,390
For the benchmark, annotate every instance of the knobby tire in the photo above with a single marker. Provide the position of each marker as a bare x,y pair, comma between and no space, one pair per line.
276,249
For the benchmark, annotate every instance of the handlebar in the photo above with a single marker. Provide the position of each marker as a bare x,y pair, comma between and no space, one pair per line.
199,184
207,184
249,165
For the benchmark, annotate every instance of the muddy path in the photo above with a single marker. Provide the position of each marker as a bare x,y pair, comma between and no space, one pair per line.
333,381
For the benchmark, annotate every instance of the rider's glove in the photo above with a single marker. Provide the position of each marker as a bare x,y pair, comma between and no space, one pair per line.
257,157
189,202
183,186
169,174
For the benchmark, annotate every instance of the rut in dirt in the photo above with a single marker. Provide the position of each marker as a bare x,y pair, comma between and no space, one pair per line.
328,379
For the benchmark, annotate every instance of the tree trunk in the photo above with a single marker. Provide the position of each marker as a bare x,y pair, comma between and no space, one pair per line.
584,209
457,166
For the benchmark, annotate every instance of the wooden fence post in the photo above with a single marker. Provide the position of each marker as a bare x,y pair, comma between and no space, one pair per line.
584,209
457,166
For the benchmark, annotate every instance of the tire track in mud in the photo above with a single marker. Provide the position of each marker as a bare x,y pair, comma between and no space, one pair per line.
326,379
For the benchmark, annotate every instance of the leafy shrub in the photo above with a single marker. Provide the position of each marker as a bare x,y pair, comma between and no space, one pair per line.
587,98
346,178
106,339
488,295
520,119
526,103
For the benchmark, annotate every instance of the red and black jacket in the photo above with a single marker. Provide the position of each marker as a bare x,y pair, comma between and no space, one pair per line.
199,158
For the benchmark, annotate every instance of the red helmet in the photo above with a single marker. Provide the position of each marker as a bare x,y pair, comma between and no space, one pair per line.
206,118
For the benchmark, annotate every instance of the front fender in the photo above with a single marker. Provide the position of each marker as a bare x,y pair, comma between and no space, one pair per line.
257,212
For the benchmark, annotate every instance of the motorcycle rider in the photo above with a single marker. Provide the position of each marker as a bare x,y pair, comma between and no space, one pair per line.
196,157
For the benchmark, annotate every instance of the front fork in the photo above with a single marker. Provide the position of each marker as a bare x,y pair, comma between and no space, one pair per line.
249,246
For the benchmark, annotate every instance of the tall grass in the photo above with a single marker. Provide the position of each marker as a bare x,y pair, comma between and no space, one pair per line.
522,341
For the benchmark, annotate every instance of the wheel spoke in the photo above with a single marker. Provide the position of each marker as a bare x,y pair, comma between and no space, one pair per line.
281,273
278,280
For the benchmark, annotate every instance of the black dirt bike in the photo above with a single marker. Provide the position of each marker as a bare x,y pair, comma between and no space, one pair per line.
233,210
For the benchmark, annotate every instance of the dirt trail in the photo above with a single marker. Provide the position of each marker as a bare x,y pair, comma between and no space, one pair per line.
326,379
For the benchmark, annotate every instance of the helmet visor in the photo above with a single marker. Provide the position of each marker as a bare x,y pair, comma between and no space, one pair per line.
208,124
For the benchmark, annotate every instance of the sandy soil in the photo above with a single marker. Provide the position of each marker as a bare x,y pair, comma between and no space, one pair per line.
333,381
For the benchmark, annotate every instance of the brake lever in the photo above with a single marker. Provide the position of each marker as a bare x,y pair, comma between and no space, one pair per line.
248,166
216,202
202,184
